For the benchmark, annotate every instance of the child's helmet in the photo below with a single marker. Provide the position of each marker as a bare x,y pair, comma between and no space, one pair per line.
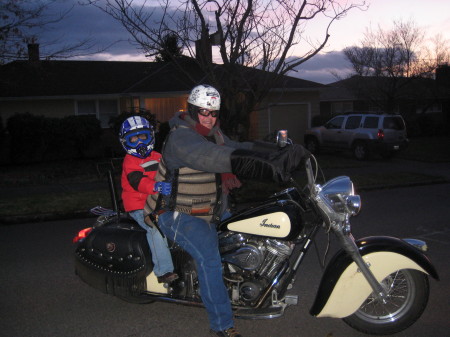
137,136
203,96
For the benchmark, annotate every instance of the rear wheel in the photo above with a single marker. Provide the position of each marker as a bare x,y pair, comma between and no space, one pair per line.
407,296
360,150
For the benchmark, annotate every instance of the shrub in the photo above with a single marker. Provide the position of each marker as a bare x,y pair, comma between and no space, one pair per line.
37,138
27,133
82,135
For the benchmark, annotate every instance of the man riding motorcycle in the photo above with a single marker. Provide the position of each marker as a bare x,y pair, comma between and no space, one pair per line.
202,164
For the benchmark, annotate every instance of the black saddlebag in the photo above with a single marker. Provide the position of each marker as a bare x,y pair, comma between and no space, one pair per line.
115,260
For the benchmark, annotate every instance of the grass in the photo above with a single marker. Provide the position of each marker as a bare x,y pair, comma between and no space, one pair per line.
81,185
428,149
53,204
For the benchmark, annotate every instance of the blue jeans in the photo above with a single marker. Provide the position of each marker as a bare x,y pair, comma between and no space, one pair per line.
199,239
162,260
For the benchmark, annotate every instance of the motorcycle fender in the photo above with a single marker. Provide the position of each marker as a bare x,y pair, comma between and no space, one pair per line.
343,288
153,286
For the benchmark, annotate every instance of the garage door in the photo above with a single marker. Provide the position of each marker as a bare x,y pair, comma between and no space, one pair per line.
292,117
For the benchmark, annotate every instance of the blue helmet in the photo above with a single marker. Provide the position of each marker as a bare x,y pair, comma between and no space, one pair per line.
137,136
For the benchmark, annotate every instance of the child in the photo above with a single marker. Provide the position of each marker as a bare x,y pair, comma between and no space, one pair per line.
138,181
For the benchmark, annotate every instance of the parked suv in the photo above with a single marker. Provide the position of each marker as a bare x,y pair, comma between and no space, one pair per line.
362,133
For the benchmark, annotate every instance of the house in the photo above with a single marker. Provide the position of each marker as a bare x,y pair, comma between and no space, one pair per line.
106,88
416,99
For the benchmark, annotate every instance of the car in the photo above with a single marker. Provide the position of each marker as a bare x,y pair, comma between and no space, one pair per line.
361,133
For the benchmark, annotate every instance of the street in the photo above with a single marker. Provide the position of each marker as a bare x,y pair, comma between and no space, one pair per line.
41,296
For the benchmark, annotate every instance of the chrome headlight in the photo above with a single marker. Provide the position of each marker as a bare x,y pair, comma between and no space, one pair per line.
338,195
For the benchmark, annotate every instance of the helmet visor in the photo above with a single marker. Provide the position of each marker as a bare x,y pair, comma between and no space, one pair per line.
133,139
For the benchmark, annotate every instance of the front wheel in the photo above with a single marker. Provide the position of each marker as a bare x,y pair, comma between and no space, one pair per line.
407,296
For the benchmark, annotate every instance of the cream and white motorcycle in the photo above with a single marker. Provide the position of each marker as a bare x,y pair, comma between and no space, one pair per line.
377,285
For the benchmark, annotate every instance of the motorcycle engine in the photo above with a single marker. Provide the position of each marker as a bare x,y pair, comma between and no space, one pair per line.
252,262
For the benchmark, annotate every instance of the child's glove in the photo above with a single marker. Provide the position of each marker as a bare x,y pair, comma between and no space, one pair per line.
163,187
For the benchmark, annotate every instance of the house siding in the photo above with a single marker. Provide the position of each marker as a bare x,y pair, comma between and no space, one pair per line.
44,107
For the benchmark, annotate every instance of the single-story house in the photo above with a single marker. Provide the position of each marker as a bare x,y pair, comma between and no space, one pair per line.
413,98
106,88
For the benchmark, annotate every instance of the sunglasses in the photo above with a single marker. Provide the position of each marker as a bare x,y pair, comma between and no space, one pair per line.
206,112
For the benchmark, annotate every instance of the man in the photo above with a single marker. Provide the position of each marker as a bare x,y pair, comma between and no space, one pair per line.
201,163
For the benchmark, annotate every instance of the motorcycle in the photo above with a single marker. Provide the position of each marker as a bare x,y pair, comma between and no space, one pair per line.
377,285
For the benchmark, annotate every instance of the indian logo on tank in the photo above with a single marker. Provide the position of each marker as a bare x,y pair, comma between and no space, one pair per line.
265,224
275,224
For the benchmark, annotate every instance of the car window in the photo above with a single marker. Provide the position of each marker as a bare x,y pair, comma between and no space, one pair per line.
335,123
371,122
353,122
394,123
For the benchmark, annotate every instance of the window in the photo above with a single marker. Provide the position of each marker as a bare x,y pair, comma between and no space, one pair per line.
103,110
353,122
86,107
340,107
436,107
393,123
107,109
371,123
335,123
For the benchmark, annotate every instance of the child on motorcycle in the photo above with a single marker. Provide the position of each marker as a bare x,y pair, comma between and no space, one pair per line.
138,181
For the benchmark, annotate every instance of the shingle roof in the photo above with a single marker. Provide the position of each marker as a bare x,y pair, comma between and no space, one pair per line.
65,78
357,87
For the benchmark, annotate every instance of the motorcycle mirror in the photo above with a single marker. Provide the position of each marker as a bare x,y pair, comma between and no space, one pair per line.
282,138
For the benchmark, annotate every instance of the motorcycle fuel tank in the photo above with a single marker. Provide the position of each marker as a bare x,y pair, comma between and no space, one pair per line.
276,224
274,218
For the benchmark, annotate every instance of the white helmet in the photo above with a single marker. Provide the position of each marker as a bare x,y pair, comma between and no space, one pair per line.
204,96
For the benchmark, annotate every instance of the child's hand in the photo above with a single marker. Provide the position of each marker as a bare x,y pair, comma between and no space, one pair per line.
163,187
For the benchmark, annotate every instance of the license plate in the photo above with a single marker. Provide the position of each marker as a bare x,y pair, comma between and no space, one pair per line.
396,147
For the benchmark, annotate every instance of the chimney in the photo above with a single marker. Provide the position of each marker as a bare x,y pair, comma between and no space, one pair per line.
33,52
443,75
203,47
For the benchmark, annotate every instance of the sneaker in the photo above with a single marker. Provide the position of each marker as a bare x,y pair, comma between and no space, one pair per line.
231,332
167,277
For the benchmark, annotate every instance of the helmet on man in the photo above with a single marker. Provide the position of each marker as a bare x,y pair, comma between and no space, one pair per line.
137,136
203,96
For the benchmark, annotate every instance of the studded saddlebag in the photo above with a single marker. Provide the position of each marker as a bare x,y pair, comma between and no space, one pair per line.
115,259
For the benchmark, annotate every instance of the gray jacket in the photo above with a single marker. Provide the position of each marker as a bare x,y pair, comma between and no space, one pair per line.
185,147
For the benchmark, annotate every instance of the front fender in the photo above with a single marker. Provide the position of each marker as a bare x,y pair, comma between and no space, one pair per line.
343,288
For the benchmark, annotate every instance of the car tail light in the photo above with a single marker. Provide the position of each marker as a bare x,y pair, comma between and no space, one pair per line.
380,134
82,234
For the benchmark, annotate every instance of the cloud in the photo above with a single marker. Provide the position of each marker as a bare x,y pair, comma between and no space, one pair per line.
89,22
323,68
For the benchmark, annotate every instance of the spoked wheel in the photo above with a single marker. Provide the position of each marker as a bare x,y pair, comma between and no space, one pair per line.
360,150
407,297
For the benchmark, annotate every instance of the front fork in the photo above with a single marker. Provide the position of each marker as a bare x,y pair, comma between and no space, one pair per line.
348,243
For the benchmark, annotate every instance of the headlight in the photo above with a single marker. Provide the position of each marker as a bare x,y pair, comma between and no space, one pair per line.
339,195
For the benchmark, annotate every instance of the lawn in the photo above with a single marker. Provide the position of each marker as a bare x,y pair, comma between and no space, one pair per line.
48,190
428,149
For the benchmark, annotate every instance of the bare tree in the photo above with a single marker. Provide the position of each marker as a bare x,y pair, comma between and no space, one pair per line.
394,58
21,22
256,34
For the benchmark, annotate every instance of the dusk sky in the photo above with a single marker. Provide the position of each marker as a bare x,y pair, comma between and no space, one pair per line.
433,16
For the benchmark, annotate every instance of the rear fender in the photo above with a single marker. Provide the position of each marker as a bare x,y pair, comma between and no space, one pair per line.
343,288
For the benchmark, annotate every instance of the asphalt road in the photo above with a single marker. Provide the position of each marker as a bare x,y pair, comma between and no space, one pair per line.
41,296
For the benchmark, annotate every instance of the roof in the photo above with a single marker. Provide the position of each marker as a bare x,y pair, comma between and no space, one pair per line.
359,87
65,78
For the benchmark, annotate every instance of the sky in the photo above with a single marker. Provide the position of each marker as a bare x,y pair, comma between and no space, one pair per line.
431,15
